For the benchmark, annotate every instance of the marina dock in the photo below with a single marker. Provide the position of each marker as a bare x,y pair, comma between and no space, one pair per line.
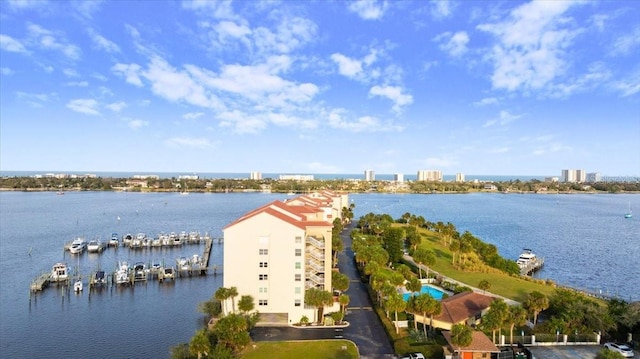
128,274
532,267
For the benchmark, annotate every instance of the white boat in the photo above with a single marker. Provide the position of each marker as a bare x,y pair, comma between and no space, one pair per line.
126,239
78,246
196,262
95,246
122,273
59,272
168,273
528,262
139,271
114,241
77,286
183,263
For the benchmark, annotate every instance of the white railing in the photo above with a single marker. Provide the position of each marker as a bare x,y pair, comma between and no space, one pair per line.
315,242
316,254
315,265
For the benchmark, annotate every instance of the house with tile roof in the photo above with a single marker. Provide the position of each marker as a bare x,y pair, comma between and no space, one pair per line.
462,308
481,347
276,252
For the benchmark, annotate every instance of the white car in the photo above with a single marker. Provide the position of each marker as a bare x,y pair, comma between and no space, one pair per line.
414,356
623,349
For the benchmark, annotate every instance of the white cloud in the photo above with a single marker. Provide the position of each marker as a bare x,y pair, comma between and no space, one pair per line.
27,4
290,34
34,99
6,71
103,43
192,115
362,124
626,43
70,72
503,119
188,142
346,66
10,44
486,101
629,86
444,161
551,149
242,122
499,150
77,84
369,9
116,106
453,44
86,106
131,73
49,40
135,124
531,52
394,94
221,9
231,29
441,8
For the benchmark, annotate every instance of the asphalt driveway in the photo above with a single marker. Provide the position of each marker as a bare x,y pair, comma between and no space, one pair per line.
568,351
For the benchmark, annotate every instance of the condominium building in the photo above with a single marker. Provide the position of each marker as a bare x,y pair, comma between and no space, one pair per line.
398,177
276,252
296,177
459,177
594,177
429,175
255,175
369,176
574,176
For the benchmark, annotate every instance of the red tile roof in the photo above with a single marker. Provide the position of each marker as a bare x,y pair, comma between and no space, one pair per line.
296,215
479,343
462,306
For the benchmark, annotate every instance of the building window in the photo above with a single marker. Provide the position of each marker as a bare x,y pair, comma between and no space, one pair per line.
298,265
297,302
298,277
263,251
262,290
263,276
298,240
298,290
298,252
263,264
262,302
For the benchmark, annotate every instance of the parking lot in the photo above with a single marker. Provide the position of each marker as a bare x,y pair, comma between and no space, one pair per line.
562,352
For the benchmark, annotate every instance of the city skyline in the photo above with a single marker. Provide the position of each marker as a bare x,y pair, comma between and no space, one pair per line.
484,88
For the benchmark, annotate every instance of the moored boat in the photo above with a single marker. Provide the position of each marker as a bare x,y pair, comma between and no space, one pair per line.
122,273
95,246
77,286
114,241
59,272
528,262
99,278
78,246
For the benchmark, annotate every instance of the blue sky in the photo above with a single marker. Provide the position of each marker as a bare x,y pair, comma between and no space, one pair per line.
479,87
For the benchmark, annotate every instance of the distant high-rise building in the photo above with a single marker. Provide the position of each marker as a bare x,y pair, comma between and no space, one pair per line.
369,176
398,177
551,179
573,176
594,177
459,177
255,175
429,175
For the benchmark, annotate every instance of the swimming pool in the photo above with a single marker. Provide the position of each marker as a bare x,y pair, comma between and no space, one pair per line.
434,292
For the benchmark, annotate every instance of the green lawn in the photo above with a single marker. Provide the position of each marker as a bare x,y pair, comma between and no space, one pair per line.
512,287
312,349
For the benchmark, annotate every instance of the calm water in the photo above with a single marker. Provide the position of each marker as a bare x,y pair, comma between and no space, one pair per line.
585,240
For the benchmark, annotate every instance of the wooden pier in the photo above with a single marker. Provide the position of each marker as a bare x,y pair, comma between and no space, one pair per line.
41,282
532,267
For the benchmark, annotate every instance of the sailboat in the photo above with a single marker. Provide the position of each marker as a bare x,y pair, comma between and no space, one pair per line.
628,214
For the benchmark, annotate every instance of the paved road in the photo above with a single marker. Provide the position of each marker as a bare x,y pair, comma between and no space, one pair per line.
365,328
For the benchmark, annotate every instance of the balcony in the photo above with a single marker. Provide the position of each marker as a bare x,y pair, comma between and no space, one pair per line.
315,265
315,242
316,254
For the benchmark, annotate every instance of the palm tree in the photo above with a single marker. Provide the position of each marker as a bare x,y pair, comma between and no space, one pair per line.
496,316
455,248
343,299
246,304
535,303
200,344
318,298
461,335
396,303
484,285
424,256
414,285
222,295
516,315
232,293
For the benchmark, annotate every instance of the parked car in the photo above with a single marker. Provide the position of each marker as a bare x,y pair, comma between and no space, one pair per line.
414,356
623,349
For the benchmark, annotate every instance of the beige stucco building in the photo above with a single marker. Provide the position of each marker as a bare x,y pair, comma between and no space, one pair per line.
277,251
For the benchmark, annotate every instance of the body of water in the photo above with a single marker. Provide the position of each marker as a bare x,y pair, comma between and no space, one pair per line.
585,240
